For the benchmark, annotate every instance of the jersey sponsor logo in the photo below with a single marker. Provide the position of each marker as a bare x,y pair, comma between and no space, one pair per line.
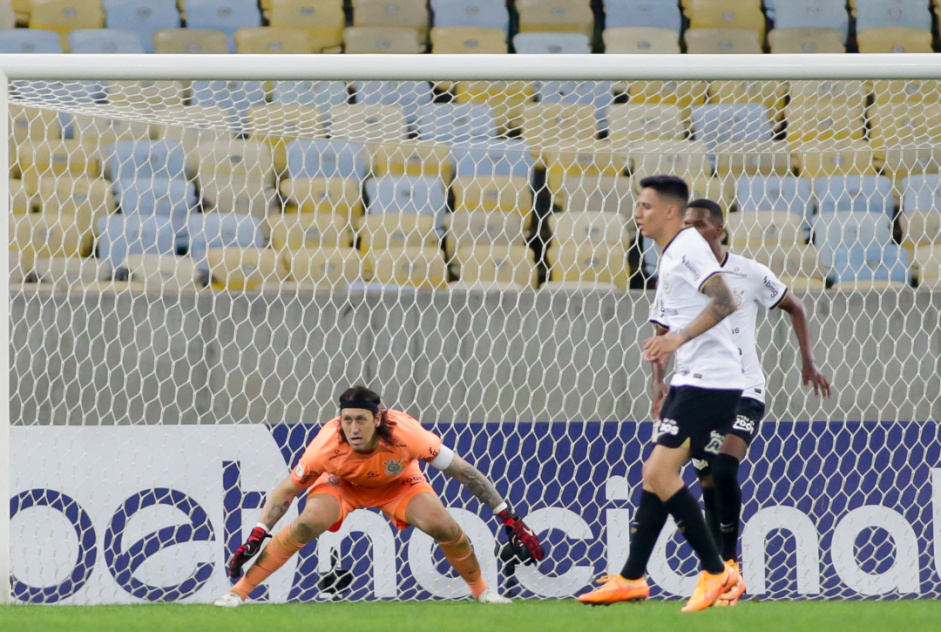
412,480
744,424
690,266
393,466
667,427
771,287
715,442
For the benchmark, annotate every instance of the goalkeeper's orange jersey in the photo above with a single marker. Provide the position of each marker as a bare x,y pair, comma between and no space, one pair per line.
329,454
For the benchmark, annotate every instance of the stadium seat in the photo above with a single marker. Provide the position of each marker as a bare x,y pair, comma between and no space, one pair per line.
905,90
493,193
368,123
921,227
775,193
164,197
688,157
162,272
842,230
65,16
145,17
62,273
547,16
489,14
770,94
223,15
456,122
272,40
407,194
122,235
190,40
421,268
237,194
324,268
322,195
749,158
492,158
806,40
921,208
7,15
221,162
39,235
641,40
219,230
471,228
646,121
232,95
505,98
33,124
399,13
326,159
875,267
595,93
540,43
317,94
927,261
543,122
711,41
682,93
32,40
643,13
720,190
842,158
587,160
813,14
798,267
102,41
825,111
396,231
276,124
894,39
245,269
413,158
55,158
596,194
129,160
100,131
772,228
467,40
595,266
731,122
587,228
907,124
381,39
21,200
495,266
721,14
854,193
411,96
294,231
909,14
324,21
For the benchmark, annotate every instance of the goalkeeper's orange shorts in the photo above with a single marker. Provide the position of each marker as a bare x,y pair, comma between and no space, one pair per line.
392,499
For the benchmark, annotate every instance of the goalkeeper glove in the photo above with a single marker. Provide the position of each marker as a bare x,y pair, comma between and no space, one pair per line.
247,551
523,541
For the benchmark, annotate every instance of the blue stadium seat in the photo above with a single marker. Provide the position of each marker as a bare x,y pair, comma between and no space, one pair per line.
490,14
599,94
219,230
408,194
173,198
775,193
239,96
105,41
731,122
493,158
456,122
411,95
322,95
541,43
651,13
326,159
830,14
846,229
139,159
143,16
921,192
879,263
854,193
227,16
29,41
122,235
874,14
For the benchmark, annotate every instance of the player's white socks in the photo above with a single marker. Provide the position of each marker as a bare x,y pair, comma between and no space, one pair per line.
490,596
228,600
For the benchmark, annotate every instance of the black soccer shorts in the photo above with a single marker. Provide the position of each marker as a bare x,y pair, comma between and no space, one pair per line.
748,416
696,414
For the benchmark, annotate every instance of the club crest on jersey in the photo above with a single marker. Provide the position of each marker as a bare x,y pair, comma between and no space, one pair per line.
393,467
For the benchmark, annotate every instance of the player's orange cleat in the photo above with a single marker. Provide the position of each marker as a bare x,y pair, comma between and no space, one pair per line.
732,595
615,588
710,587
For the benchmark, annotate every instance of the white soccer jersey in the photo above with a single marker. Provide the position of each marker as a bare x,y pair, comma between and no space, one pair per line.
752,284
710,360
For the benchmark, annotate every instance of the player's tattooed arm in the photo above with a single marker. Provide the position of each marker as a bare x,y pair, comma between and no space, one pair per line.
721,304
278,502
475,482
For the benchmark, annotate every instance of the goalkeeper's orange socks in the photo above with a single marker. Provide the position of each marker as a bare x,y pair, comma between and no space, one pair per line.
278,551
460,554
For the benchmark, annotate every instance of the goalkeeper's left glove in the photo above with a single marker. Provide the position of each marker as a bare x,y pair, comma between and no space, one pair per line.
247,551
523,541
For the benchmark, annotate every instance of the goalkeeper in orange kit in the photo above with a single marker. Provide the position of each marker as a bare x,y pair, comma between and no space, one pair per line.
368,457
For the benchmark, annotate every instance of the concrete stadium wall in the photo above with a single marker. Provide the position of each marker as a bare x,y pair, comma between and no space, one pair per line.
209,358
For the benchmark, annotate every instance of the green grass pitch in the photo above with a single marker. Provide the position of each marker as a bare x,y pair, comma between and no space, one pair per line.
545,616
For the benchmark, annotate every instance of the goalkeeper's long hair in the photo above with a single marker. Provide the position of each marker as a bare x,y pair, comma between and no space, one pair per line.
361,397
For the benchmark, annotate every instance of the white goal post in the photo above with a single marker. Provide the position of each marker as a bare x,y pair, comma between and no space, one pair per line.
513,372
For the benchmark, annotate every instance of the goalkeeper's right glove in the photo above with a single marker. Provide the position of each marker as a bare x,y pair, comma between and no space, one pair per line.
523,541
247,551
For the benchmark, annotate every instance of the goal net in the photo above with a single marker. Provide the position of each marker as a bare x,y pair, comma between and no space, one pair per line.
201,260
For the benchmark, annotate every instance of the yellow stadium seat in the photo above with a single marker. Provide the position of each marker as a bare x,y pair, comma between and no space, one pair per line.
927,262
21,10
910,123
56,158
324,21
647,121
770,94
596,193
63,273
645,40
718,189
467,40
33,124
824,120
237,194
713,41
183,41
495,266
472,228
395,231
899,162
21,200
163,272
726,14
222,159
682,93
294,231
555,126
894,39
400,13
244,269
322,195
764,158
381,39
588,228
368,123
567,16
753,228
854,157
84,198
65,16
587,159
601,266
806,40
797,266
493,193
272,40
922,227
505,98
413,158
101,131
45,235
686,158
278,123
906,90
146,93
421,268
324,268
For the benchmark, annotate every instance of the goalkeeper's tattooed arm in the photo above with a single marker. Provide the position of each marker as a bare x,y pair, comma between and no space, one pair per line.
475,482
278,502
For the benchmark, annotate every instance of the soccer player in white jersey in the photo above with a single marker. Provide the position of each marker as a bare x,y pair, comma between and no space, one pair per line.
752,284
690,310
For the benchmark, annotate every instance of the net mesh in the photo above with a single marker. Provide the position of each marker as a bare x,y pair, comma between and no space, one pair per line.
189,256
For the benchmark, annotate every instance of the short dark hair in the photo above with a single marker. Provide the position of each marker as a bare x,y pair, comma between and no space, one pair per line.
360,393
715,211
668,186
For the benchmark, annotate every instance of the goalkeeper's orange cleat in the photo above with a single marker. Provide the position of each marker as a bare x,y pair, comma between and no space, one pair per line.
732,595
615,588
710,587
